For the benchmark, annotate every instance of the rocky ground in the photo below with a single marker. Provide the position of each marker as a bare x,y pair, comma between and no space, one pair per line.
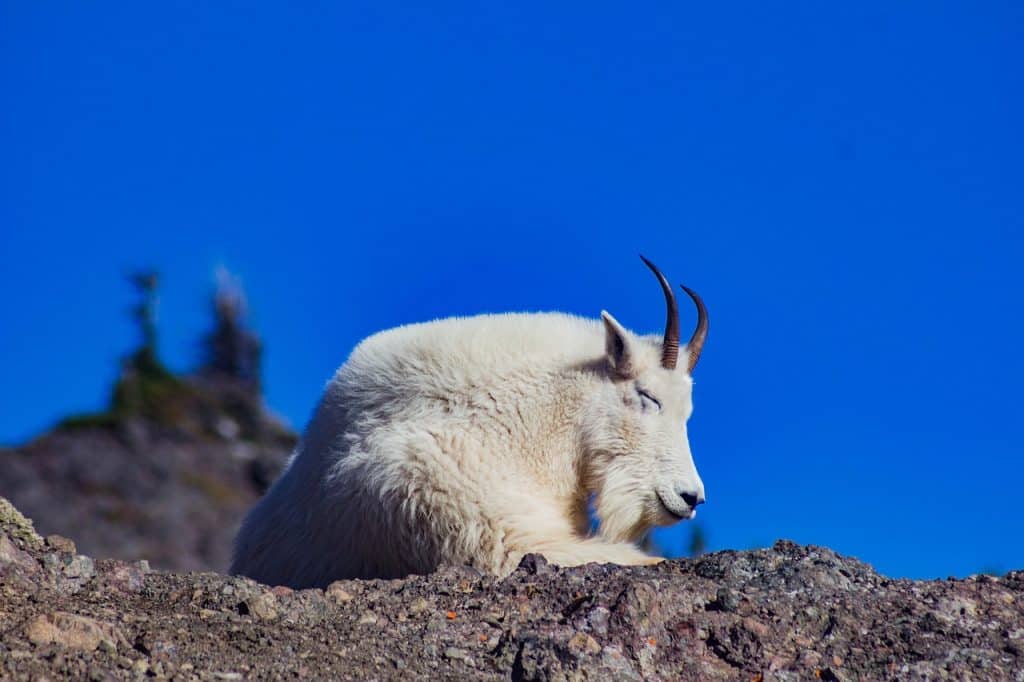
784,613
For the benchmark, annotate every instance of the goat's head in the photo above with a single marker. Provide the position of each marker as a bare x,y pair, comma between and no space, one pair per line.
637,456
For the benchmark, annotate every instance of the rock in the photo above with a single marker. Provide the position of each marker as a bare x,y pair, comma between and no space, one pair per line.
336,592
18,527
264,606
583,643
79,568
725,600
72,631
12,558
59,543
123,576
419,606
534,564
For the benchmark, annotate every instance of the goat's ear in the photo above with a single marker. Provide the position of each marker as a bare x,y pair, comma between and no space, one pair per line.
618,347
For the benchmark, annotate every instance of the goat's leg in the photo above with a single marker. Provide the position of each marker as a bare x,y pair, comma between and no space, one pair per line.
596,550
578,551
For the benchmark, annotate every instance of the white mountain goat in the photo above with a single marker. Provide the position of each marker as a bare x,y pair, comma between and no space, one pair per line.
478,440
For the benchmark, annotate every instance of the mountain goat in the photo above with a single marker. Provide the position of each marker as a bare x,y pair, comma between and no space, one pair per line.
478,440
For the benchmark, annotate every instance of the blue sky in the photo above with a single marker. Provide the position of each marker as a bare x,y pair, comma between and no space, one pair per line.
841,182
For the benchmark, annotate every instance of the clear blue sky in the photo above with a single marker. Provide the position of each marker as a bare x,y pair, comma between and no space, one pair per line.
842,182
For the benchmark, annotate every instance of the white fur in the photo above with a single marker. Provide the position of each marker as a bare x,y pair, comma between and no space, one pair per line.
478,440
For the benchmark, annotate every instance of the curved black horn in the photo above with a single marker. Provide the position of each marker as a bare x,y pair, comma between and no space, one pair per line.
696,342
670,345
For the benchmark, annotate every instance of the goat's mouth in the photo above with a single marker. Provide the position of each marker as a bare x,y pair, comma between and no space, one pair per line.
686,515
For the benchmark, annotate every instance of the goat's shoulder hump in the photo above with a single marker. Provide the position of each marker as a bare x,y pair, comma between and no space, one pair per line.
489,340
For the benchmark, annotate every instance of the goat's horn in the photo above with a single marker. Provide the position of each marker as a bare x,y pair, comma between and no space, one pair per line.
696,342
670,345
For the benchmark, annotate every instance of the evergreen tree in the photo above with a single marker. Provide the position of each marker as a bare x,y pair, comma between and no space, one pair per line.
230,349
145,385
145,360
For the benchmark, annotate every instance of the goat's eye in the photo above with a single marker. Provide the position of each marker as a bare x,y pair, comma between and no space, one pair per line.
648,400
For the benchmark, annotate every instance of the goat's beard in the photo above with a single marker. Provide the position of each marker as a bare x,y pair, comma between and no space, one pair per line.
624,507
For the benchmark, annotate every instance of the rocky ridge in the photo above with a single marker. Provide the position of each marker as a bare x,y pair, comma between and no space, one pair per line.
784,613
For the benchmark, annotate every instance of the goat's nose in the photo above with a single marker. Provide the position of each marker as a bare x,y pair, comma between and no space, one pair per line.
691,498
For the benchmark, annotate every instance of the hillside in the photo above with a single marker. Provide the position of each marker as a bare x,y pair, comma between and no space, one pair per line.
170,488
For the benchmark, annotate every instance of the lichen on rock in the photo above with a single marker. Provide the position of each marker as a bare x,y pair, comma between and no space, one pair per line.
17,526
